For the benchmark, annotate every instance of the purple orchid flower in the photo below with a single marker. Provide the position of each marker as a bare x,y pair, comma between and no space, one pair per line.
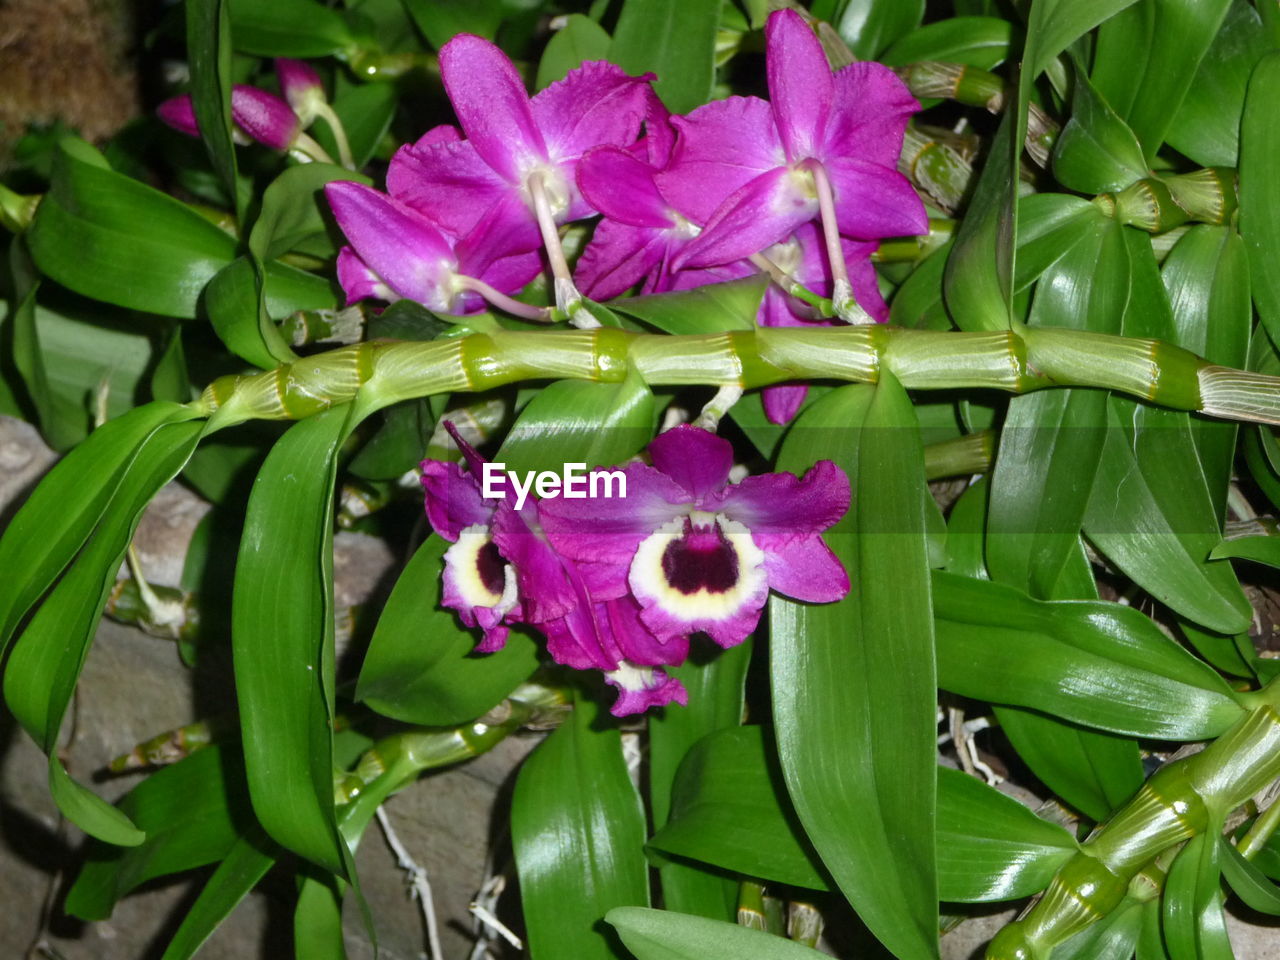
396,252
826,147
512,178
699,553
502,570
257,115
301,87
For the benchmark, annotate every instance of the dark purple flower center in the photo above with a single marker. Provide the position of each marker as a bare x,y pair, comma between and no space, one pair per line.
489,567
702,559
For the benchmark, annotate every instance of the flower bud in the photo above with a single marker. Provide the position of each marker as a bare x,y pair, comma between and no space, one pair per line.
301,86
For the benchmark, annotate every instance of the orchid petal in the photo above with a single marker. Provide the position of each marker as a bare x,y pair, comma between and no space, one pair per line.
781,403
873,201
301,87
453,499
479,585
804,568
447,182
787,505
506,229
358,281
547,587
869,115
760,214
659,135
492,105
640,688
696,459
722,146
621,186
800,84
180,114
596,103
617,258
401,246
264,116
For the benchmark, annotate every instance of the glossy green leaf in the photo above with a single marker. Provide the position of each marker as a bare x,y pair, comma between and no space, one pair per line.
55,521
1155,54
294,208
573,421
420,667
366,111
729,808
918,300
965,534
715,704
46,661
317,919
853,682
1050,225
209,54
990,846
1104,665
1207,126
239,872
1260,189
231,301
288,28
1150,944
187,811
1248,882
979,275
114,239
976,41
61,420
282,639
665,935
579,40
170,380
675,39
1111,938
1056,24
578,831
1194,926
868,26
1094,772
440,20
1096,152
1259,549
709,309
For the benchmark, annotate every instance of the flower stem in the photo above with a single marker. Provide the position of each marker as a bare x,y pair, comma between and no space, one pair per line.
790,285
568,299
327,113
306,150
500,300
846,306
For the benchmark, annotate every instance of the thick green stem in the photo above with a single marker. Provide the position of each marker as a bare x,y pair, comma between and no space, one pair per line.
383,373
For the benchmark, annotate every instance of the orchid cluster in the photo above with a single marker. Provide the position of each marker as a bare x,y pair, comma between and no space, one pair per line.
802,187
619,584
260,116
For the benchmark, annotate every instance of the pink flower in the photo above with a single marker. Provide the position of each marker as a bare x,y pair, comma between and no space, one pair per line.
257,115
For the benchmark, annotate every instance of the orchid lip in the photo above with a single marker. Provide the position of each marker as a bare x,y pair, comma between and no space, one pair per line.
697,570
481,576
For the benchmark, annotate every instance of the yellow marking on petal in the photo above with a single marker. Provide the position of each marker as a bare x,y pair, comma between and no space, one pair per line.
649,580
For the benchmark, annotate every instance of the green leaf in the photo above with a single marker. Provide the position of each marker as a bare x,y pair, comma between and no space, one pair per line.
729,808
114,239
209,54
1260,189
239,872
46,661
282,639
61,513
1194,926
440,20
979,274
288,28
854,692
574,421
665,935
294,208
976,41
965,534
1056,24
232,301
991,847
1092,771
169,380
1207,126
1248,882
188,813
708,309
366,111
420,667
578,831
1096,151
868,26
1101,664
579,40
1111,938
715,703
675,39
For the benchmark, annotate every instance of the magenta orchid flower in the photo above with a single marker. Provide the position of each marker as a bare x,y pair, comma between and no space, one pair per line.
301,87
257,115
698,553
825,146
512,178
396,252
